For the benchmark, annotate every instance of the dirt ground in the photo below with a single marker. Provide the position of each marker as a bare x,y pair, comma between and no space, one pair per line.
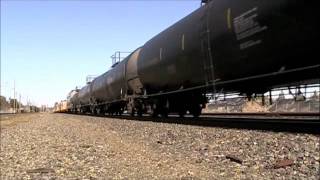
64,146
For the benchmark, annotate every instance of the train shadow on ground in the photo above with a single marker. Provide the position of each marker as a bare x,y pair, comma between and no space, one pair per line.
275,125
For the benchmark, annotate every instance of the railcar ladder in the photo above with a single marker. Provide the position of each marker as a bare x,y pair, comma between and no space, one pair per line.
206,49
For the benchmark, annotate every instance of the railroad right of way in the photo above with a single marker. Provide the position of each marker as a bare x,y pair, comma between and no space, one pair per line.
62,146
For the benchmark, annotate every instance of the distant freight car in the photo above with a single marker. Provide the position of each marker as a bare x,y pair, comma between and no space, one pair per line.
61,107
246,46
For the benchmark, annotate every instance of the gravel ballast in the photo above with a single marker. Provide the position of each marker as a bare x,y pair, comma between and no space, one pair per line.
64,146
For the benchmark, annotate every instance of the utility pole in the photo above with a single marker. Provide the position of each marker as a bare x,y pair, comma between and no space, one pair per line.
20,103
14,96
28,107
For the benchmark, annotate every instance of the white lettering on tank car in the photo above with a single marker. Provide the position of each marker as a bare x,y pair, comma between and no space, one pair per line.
246,24
248,44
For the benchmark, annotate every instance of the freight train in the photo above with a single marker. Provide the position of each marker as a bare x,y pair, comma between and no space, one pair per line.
245,46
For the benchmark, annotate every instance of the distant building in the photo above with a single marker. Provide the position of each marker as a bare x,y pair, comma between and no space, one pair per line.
4,104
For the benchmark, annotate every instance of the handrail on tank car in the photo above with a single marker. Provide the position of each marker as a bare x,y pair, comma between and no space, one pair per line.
118,56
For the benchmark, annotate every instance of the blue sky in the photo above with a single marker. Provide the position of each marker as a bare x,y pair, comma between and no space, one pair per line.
49,47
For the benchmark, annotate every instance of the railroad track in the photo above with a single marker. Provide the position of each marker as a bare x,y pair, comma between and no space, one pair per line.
7,113
268,114
284,117
278,122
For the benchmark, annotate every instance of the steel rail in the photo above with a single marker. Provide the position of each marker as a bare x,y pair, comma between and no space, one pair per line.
298,114
292,124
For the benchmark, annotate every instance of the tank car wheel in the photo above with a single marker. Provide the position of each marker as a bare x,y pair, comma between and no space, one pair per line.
132,112
98,111
182,113
154,113
93,111
196,110
164,113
